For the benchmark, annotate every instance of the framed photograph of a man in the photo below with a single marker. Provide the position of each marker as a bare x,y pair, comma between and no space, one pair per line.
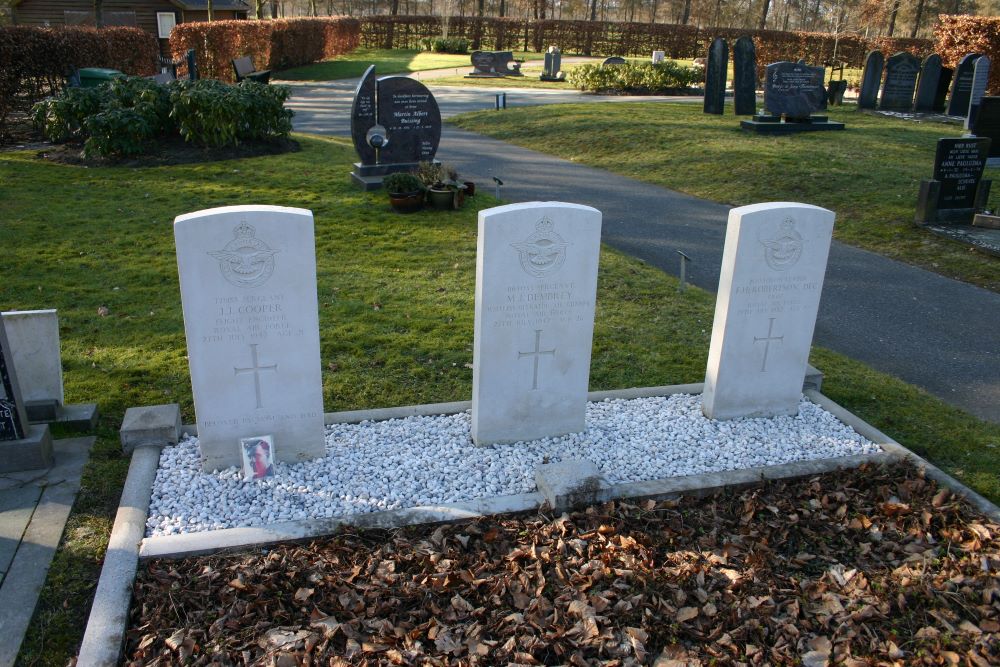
258,457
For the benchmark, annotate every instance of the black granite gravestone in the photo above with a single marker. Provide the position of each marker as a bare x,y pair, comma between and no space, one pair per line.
744,77
614,60
987,123
395,124
835,92
927,84
944,83
493,64
794,90
961,86
958,188
980,79
871,80
13,417
901,72
715,76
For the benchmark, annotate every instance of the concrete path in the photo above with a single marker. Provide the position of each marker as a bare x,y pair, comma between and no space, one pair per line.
34,506
933,332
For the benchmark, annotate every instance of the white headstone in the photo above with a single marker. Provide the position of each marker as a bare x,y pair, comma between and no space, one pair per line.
772,276
536,283
980,81
34,345
248,285
658,57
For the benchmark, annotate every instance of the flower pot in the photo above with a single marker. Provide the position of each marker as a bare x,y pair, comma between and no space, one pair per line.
443,200
470,189
407,202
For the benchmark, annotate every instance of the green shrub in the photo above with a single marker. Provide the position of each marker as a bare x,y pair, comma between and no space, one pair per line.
212,113
117,132
401,182
445,44
61,118
647,78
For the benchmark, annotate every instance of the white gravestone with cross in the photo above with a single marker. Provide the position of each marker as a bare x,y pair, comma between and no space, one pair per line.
248,286
536,284
765,313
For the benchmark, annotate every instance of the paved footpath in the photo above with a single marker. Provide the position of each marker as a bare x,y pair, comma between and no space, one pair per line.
933,332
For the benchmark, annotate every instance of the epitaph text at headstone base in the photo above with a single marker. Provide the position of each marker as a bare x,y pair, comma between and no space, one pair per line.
13,418
958,166
871,79
411,118
744,77
248,287
536,284
773,266
715,76
363,116
927,84
901,71
961,86
987,123
34,342
794,90
980,80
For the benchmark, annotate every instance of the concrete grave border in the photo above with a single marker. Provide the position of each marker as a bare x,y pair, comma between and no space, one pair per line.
105,633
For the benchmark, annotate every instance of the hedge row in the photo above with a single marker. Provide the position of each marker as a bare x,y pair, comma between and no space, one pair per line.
956,36
625,39
273,44
34,61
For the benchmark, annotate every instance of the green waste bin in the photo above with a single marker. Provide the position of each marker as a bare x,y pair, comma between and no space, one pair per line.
95,76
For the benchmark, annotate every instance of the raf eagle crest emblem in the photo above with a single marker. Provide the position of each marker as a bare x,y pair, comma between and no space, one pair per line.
246,261
542,252
784,250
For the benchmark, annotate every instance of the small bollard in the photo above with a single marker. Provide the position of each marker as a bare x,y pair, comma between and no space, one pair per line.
501,101
684,262
499,183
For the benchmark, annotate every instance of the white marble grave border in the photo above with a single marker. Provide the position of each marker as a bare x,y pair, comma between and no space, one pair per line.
104,637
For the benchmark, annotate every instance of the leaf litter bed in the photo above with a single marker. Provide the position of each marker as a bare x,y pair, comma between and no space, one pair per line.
871,566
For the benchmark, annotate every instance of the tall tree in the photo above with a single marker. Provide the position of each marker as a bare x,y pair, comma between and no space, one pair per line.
916,18
593,10
687,12
763,15
892,18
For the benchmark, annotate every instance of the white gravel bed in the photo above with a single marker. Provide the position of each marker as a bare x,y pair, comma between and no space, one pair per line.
376,466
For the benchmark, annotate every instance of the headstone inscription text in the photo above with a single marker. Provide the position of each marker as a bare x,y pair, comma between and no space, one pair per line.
248,287
794,90
536,282
958,166
901,72
772,274
411,118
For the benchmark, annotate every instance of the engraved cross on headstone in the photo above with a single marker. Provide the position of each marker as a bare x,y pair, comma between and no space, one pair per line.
256,368
535,353
767,342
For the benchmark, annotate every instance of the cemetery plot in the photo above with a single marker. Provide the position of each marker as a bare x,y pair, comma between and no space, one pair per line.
793,92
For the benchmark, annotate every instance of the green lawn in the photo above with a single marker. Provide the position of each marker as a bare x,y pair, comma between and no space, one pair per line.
396,310
395,61
869,174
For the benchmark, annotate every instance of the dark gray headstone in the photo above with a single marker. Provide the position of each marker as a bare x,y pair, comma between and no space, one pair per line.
987,123
927,84
871,80
553,63
958,165
715,76
614,60
980,79
495,63
363,116
411,118
944,83
794,90
961,86
901,72
835,92
13,418
744,77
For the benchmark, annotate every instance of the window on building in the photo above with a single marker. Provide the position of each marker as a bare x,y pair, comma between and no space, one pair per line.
165,22
71,17
120,18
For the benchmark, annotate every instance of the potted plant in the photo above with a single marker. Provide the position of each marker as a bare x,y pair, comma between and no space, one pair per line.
444,190
406,192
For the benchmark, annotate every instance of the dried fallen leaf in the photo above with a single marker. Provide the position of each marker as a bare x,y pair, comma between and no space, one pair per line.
685,614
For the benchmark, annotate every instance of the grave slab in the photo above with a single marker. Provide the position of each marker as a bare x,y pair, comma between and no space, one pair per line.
150,425
773,266
536,285
251,318
570,483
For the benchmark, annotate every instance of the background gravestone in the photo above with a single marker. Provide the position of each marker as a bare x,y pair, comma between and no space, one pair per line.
553,65
980,79
33,336
961,86
871,79
403,114
23,446
773,266
927,84
958,189
251,319
794,90
901,72
944,83
536,284
715,76
987,124
744,77
614,60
